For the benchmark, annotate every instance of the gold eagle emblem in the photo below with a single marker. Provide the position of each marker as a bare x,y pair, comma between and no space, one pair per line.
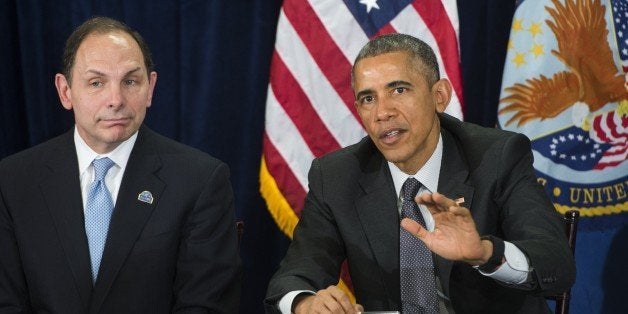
592,77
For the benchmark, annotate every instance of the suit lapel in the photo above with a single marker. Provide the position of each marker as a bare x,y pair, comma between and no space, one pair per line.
378,215
451,183
130,214
62,192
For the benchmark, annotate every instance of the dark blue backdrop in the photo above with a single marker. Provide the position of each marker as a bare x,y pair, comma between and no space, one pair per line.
213,59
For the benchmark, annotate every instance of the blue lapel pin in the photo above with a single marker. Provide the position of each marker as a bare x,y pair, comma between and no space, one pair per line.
145,197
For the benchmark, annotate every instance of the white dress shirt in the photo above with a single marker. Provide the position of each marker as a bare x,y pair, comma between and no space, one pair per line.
113,179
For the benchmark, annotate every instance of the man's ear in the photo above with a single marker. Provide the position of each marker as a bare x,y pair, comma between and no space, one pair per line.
441,91
64,91
152,81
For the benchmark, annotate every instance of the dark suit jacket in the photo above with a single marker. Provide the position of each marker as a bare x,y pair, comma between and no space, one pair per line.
351,212
177,254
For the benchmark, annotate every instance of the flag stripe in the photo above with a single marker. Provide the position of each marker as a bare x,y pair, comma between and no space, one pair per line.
323,50
436,18
289,184
410,22
341,26
288,91
451,9
387,29
285,137
338,119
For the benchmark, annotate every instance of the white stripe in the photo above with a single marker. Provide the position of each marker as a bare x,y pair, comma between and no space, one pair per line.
452,12
410,22
615,149
287,139
607,159
341,26
331,109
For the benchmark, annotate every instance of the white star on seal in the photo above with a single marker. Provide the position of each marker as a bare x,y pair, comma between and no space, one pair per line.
369,5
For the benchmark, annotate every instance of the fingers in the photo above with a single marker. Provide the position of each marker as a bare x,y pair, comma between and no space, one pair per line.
437,203
331,300
413,228
358,308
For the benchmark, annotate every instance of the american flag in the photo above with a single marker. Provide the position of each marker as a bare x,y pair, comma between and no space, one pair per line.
309,107
611,128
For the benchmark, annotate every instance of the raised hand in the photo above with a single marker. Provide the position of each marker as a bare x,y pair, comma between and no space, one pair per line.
455,236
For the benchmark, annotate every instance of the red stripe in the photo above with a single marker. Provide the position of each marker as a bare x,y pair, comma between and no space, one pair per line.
327,55
299,108
612,126
599,131
435,17
609,154
387,29
286,181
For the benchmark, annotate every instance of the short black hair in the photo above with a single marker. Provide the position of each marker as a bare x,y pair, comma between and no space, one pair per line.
101,25
416,48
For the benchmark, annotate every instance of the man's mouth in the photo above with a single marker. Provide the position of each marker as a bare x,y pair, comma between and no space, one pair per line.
391,135
115,121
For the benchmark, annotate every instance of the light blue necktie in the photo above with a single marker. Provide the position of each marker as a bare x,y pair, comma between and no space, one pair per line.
98,213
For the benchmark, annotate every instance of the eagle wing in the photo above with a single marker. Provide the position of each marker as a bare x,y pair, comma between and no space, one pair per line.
581,33
540,97
580,30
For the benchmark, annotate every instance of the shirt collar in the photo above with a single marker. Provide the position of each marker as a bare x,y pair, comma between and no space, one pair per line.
427,175
120,155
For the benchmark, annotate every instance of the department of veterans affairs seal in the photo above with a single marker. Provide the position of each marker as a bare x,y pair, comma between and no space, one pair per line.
573,101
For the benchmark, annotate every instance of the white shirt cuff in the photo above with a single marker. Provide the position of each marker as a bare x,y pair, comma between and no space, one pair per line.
285,303
516,268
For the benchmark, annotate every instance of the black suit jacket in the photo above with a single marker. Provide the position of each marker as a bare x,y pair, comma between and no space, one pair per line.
177,254
351,212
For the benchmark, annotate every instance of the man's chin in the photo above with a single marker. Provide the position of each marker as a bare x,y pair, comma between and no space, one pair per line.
118,136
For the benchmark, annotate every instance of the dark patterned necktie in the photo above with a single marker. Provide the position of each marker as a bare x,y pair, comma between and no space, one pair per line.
418,283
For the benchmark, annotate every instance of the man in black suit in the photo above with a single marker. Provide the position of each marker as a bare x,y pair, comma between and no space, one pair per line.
493,240
169,238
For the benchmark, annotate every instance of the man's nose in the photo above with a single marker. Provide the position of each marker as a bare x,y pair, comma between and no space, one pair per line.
385,109
115,96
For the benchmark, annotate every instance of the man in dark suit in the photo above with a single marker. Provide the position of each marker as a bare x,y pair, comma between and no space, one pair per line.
168,242
493,240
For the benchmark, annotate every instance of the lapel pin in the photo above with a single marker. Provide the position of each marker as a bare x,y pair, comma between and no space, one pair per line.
145,197
459,201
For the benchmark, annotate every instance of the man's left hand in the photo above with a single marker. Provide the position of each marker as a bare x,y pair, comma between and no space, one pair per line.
455,236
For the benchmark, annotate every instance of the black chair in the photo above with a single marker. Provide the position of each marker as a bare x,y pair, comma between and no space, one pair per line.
240,230
571,222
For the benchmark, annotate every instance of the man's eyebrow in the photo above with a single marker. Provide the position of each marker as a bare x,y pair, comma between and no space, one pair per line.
398,83
132,71
363,93
93,71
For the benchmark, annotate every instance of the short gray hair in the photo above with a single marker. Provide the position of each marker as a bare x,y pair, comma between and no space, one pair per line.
419,51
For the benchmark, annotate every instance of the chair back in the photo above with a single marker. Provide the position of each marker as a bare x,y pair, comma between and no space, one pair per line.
571,222
240,230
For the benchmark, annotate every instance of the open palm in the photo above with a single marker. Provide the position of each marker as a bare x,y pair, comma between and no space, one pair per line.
455,236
